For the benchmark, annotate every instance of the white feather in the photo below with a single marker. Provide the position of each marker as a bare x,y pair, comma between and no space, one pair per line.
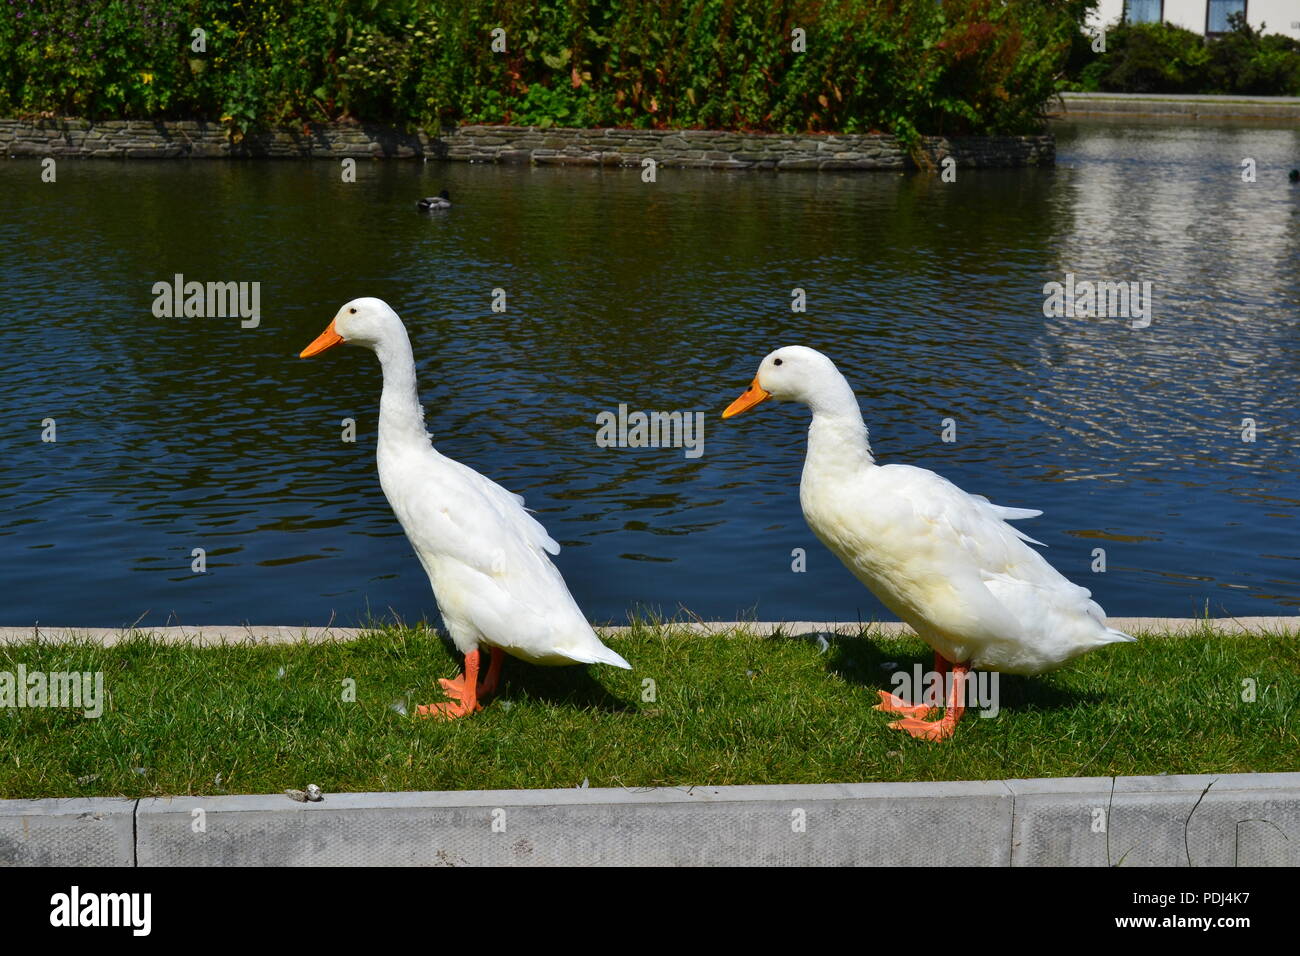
945,561
486,556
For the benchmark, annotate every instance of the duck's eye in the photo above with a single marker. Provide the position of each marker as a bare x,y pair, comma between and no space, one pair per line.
776,361
353,311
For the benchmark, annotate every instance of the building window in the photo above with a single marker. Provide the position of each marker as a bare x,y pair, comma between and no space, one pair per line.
1216,15
1144,11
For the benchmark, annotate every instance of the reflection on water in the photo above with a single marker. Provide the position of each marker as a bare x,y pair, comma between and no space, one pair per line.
175,434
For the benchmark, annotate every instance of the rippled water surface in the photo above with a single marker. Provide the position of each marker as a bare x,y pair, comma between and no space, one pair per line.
175,434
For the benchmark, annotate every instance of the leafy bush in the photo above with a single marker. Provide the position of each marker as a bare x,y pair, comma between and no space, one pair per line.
1160,58
101,56
1247,62
908,66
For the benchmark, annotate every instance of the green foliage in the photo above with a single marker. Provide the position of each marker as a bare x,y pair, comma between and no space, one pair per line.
1249,62
89,58
1160,58
908,66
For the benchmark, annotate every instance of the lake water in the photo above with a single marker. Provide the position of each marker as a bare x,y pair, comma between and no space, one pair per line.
182,433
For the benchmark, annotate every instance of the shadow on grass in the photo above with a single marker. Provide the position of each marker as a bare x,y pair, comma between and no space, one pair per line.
573,687
570,686
861,661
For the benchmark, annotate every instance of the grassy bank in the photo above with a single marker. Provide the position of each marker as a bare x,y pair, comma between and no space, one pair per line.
902,66
727,710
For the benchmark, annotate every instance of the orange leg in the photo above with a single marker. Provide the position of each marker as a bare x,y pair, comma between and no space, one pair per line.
455,687
493,679
463,691
893,704
943,728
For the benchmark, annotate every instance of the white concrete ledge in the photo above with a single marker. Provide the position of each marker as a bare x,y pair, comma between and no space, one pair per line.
1249,819
216,634
77,831
1181,106
1222,820
905,824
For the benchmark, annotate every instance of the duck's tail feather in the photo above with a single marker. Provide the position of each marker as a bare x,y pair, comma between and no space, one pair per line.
1016,514
594,652
1024,537
605,656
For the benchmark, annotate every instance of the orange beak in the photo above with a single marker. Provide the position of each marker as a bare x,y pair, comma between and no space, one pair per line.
748,399
326,340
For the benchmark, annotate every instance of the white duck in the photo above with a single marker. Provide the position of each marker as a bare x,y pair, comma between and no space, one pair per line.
485,555
944,561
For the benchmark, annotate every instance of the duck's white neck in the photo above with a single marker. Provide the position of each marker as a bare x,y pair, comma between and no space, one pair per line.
401,416
837,437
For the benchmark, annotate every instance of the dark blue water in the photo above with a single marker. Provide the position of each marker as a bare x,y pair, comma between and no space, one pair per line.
175,433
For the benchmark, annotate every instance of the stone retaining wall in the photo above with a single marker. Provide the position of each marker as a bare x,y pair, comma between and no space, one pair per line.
138,139
721,149
142,139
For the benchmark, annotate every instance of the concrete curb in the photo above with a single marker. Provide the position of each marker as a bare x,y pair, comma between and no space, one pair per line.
1248,819
210,635
1131,105
1222,820
77,831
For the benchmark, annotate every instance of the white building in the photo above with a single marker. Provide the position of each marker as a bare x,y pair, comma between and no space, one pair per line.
1202,16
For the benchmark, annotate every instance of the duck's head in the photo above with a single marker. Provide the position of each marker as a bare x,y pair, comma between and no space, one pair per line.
794,373
364,321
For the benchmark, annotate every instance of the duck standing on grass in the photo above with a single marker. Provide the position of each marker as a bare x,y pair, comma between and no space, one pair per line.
944,561
485,555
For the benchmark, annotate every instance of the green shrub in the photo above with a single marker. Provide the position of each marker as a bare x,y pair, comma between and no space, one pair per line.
1248,62
909,66
89,58
1160,58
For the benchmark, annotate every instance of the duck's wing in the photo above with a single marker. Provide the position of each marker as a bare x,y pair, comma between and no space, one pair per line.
494,568
1012,514
949,547
457,513
509,506
999,588
969,529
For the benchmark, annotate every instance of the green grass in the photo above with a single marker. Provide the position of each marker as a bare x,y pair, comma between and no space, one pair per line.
727,710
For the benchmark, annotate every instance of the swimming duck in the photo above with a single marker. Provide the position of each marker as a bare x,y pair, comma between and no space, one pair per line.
431,203
945,561
485,555
1294,175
